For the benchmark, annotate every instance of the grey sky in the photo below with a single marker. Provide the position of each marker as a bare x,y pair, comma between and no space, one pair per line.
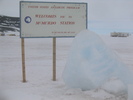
104,16
111,10
111,15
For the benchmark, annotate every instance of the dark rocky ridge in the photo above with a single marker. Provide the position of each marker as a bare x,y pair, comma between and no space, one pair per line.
8,23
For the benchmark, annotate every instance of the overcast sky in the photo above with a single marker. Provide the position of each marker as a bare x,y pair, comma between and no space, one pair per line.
104,16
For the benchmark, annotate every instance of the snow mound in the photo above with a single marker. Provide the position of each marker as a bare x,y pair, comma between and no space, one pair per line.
91,64
114,86
100,94
130,92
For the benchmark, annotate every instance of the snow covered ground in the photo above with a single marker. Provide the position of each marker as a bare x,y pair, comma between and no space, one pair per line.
39,85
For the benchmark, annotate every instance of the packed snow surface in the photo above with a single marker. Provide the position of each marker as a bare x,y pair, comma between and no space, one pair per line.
38,59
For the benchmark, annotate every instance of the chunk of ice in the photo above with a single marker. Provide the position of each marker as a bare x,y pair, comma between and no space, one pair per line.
91,63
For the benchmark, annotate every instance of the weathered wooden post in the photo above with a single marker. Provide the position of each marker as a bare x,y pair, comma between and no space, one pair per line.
23,60
54,59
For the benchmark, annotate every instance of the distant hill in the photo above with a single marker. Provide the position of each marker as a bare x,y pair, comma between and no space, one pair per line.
8,23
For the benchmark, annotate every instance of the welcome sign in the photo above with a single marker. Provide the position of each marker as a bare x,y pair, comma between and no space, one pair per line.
52,19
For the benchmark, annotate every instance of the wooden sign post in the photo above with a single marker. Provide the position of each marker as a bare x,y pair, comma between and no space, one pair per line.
54,59
23,60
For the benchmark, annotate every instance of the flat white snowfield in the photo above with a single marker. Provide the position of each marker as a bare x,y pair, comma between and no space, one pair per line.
39,85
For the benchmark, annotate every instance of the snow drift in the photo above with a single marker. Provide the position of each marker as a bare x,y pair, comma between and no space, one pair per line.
91,64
